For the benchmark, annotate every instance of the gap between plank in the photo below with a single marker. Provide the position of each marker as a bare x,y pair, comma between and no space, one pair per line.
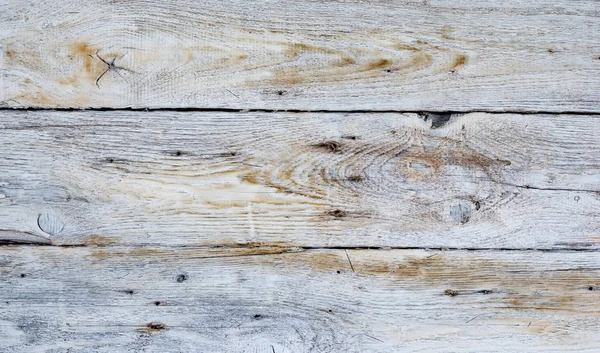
324,111
292,248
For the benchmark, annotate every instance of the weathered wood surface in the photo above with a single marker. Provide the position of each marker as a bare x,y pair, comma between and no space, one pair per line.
110,299
310,180
308,55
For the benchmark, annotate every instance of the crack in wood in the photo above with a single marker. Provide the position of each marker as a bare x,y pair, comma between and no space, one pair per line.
592,113
276,250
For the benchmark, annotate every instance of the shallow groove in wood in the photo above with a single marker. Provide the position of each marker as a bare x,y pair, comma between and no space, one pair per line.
294,248
591,114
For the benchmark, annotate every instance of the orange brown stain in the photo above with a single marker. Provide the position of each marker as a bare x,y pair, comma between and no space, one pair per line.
295,49
377,64
36,97
84,50
418,61
91,67
345,61
401,46
442,152
320,261
224,249
100,255
290,77
515,302
467,277
457,61
284,186
98,240
10,54
25,58
511,285
340,65
68,80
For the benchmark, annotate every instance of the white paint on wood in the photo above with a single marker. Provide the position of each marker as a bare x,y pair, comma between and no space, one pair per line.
401,180
265,299
397,55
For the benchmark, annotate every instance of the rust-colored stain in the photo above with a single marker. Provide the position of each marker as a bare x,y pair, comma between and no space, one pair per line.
457,61
10,54
345,61
377,64
429,159
98,240
71,80
296,49
85,51
91,66
36,97
289,77
284,183
513,285
20,58
81,69
401,46
321,261
347,64
226,249
295,65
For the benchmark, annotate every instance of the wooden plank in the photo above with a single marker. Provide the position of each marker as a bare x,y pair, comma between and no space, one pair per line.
309,55
212,178
253,300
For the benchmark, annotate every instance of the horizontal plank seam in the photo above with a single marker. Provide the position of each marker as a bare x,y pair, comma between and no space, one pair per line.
324,111
292,248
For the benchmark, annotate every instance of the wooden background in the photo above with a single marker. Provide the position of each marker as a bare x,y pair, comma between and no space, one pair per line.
299,176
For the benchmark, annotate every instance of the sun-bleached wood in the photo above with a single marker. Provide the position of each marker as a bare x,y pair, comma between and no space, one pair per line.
106,299
298,54
304,179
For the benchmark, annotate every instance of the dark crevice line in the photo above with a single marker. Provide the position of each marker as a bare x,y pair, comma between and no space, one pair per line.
24,243
530,187
325,111
292,248
551,189
449,248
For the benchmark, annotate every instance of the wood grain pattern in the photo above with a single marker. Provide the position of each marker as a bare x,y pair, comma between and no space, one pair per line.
241,300
309,180
309,55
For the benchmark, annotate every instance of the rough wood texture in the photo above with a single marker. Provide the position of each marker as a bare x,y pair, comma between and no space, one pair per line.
253,300
311,180
409,55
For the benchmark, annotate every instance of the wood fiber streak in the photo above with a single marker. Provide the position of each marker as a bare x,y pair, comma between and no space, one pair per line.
308,180
308,55
237,300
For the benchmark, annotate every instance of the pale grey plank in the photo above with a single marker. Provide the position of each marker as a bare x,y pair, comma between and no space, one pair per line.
209,178
402,55
260,300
